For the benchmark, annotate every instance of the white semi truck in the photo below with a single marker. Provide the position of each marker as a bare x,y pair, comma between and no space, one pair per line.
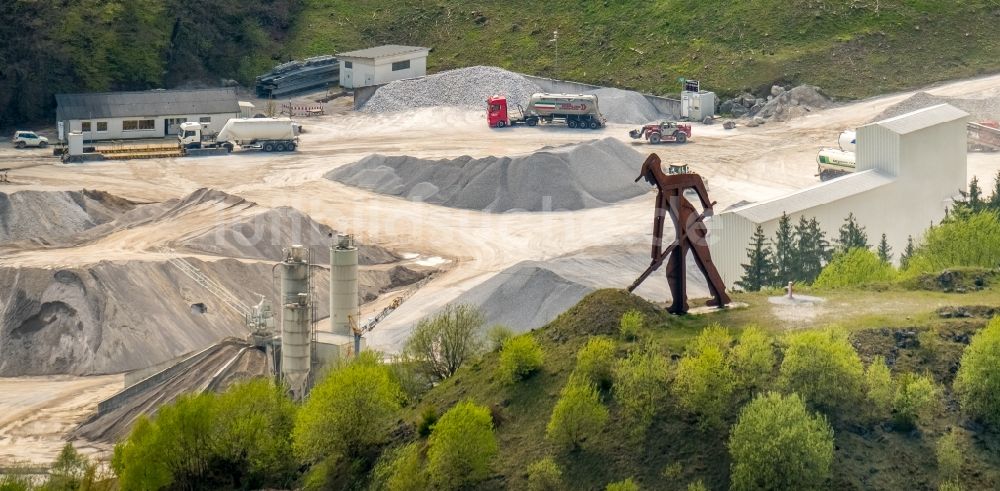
267,134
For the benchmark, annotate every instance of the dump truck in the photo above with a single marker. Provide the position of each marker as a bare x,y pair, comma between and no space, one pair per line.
267,134
573,110
664,131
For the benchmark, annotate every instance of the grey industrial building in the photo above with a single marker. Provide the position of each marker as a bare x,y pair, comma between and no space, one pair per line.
145,114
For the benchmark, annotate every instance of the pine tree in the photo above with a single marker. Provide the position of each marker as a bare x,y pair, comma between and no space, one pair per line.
904,259
994,202
884,251
812,249
759,270
785,252
852,235
971,201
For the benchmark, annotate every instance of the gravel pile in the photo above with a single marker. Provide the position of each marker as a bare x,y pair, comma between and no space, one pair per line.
47,217
780,105
625,106
586,175
979,109
463,87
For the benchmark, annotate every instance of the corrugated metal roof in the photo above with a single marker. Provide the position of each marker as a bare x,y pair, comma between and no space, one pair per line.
820,194
923,118
146,103
381,51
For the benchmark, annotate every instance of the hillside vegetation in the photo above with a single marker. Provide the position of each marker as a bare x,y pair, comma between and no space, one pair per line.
851,49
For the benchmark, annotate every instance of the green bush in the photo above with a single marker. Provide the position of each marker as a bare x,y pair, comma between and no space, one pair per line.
545,475
577,416
461,447
916,397
497,335
879,388
823,368
595,362
698,485
349,412
778,444
712,336
858,266
752,361
630,325
428,417
639,387
950,486
441,343
968,241
929,345
520,357
950,458
400,469
626,485
703,386
978,380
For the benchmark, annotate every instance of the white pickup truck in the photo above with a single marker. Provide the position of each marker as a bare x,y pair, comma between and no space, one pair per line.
24,139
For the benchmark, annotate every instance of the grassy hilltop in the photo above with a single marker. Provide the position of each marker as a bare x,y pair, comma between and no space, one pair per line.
851,49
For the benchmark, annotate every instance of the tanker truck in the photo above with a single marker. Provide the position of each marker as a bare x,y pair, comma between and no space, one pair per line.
573,110
267,134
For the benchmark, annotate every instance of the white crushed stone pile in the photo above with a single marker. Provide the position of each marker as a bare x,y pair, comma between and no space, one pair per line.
978,109
463,87
625,106
48,217
793,103
265,234
586,175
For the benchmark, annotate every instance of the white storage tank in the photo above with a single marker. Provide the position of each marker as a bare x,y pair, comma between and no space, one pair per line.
296,335
344,313
848,140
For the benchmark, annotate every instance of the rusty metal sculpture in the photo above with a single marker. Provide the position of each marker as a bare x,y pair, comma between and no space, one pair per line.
690,231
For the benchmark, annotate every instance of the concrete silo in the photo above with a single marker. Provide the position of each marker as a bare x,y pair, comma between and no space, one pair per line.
296,335
344,312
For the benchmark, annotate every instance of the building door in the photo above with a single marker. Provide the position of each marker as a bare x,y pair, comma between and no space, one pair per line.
172,125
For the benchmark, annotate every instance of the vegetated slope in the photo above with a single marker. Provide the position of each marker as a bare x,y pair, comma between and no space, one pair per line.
573,177
850,49
867,456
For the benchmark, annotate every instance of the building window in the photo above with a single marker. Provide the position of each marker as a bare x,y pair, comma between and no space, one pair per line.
85,126
205,119
138,125
348,64
401,65
102,126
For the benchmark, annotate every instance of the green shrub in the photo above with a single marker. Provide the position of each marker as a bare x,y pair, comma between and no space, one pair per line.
630,325
595,362
545,475
879,388
950,458
752,361
672,471
428,417
577,416
969,241
858,266
626,485
349,412
703,386
461,447
823,368
16,482
778,444
497,335
950,486
400,469
441,343
712,336
929,345
698,485
978,380
916,397
520,357
639,387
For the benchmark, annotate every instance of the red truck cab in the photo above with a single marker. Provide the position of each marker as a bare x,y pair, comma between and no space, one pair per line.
496,112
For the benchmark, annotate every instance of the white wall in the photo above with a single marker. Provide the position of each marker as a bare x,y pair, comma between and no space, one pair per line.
115,131
365,72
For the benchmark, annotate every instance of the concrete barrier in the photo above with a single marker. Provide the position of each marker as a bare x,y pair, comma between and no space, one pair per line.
119,399
362,94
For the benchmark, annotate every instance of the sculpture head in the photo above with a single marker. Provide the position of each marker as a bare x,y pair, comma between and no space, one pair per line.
649,169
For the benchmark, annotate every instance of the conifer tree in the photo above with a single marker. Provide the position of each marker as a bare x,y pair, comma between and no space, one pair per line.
758,272
812,250
994,202
785,253
971,201
884,250
904,259
852,235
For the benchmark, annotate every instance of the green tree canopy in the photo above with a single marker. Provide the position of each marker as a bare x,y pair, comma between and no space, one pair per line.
978,380
441,343
823,368
461,447
855,267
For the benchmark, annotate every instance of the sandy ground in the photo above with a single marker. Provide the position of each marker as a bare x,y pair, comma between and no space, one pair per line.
742,164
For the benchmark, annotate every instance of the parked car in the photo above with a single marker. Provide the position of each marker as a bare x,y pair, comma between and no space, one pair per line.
29,139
